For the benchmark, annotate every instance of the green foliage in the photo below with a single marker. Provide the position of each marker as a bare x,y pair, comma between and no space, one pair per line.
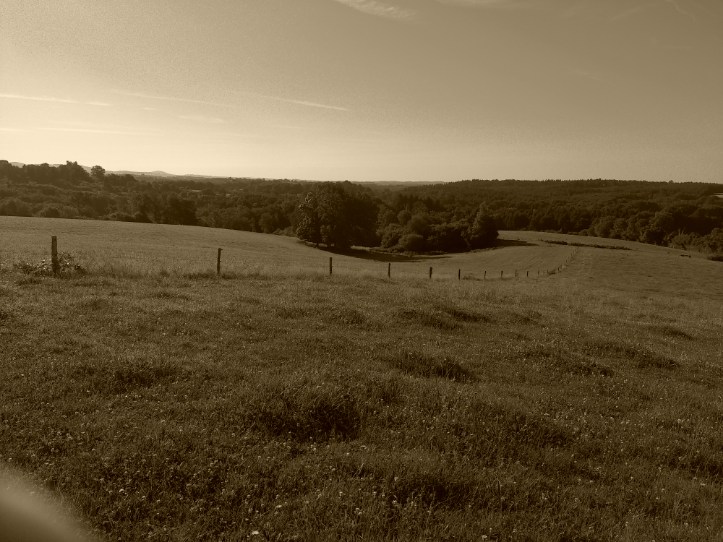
67,266
667,214
412,242
338,215
482,232
98,173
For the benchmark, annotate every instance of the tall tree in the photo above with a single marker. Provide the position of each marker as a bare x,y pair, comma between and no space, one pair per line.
482,232
308,228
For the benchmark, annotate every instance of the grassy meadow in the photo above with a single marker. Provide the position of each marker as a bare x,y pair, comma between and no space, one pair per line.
277,403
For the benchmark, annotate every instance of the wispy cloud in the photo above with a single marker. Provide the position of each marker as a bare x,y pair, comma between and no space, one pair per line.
676,5
168,98
298,102
52,99
489,3
630,12
89,131
220,104
587,74
379,9
203,118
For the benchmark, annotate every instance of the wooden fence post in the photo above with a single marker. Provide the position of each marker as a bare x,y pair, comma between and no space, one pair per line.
54,255
430,272
528,273
218,263
459,274
331,265
485,276
389,270
501,273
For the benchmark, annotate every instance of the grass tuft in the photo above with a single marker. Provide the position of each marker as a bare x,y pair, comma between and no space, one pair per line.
589,368
642,357
127,375
671,332
462,315
306,412
429,319
418,364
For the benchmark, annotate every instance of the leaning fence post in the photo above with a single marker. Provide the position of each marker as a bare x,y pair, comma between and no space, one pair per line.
331,266
389,270
218,263
54,255
459,274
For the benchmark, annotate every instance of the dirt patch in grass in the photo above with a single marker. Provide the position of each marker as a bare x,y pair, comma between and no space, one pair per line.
418,364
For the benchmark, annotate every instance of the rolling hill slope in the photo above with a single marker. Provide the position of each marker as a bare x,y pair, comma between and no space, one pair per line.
284,404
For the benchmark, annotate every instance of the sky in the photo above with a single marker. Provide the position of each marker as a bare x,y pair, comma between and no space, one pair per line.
367,90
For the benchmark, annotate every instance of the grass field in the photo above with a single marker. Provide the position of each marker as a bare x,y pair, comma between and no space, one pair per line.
283,404
123,248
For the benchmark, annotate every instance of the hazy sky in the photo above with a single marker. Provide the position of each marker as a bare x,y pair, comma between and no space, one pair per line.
431,90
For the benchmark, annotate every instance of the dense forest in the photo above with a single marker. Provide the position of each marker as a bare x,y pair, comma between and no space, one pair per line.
447,217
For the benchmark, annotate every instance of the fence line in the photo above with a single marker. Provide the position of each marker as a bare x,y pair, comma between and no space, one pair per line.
471,276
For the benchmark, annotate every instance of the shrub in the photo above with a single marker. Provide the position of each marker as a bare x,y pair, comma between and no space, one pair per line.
66,266
412,242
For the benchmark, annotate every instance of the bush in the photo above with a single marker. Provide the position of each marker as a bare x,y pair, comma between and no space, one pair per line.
66,266
412,242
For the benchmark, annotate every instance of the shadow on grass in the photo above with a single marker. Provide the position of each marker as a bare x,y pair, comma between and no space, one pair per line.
379,256
500,243
384,256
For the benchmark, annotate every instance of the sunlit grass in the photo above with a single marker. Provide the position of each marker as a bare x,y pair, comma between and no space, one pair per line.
583,405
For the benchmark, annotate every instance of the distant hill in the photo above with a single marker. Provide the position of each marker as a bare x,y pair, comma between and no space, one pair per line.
157,173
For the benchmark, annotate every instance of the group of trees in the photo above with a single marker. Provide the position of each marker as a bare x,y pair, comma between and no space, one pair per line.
339,215
343,214
447,217
409,225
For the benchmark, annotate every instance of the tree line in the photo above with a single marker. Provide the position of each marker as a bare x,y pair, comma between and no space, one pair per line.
447,217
